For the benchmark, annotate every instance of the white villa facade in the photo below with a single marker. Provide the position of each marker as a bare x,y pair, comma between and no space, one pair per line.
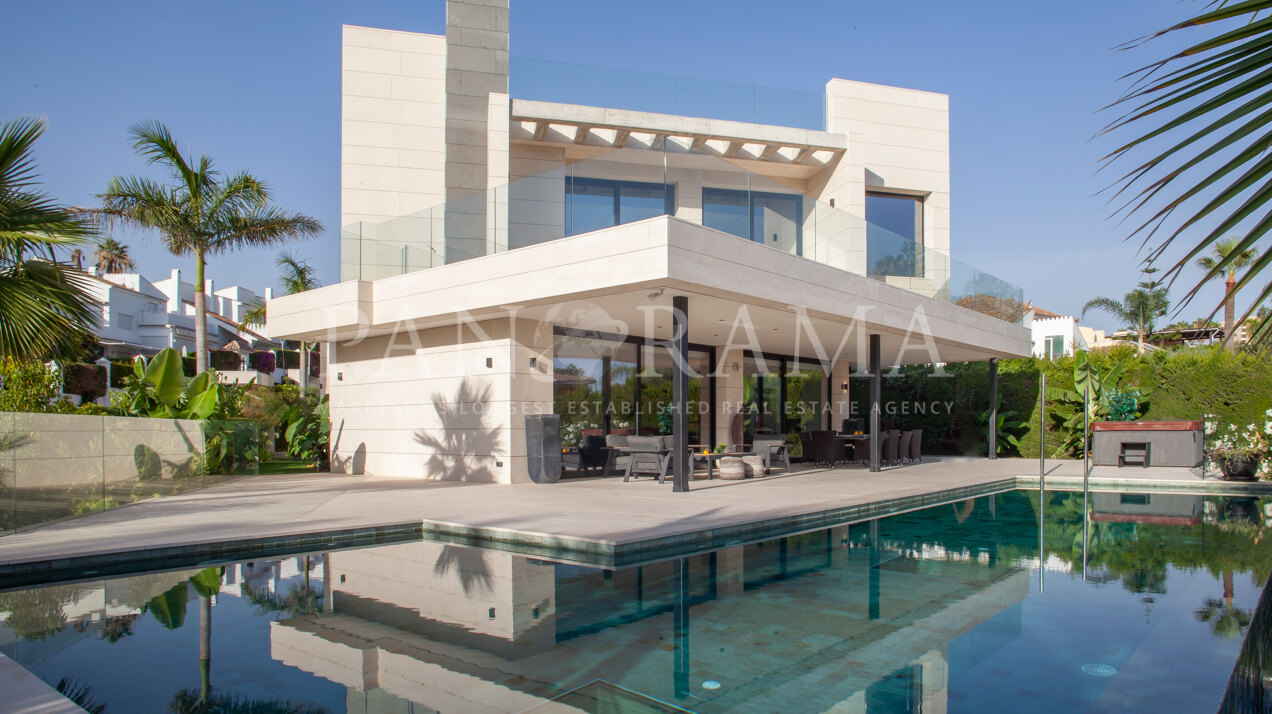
507,253
1056,335
140,316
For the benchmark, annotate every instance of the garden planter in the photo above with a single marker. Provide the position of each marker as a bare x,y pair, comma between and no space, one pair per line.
1241,468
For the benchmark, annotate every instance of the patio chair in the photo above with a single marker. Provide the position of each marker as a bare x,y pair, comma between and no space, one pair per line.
892,447
613,443
856,451
822,448
916,447
903,453
771,449
593,454
646,455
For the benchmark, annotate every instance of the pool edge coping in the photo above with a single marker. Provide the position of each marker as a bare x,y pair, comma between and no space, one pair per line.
600,552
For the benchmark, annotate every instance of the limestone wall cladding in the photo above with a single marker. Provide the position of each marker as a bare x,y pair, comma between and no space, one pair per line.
898,140
445,403
393,115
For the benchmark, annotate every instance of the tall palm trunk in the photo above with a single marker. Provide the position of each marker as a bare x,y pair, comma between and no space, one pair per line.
1230,313
205,646
200,316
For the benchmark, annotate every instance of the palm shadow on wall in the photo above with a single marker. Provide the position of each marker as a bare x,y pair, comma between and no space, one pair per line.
463,448
469,564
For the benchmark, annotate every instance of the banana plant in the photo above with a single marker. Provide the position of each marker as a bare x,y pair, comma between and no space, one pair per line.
158,389
1006,428
1090,389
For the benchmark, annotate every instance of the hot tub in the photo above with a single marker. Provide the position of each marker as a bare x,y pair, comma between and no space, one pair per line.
1147,443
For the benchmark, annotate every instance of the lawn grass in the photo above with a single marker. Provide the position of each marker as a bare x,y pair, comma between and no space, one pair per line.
286,466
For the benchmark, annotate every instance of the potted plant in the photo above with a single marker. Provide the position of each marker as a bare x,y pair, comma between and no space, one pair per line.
1239,451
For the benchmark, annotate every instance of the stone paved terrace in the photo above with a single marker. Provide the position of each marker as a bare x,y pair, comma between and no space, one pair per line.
602,521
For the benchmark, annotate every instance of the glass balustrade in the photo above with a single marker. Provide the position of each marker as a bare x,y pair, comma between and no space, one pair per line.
628,185
567,83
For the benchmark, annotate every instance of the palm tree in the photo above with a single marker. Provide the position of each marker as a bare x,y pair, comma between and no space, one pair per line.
296,276
1212,95
1139,308
200,212
45,303
112,256
1240,260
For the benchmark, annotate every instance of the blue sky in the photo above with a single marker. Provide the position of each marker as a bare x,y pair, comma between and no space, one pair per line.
256,85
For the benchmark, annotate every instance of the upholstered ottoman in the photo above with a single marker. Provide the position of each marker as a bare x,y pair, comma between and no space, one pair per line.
754,466
731,468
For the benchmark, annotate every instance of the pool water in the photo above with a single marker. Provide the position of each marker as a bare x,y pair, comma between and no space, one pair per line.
1141,605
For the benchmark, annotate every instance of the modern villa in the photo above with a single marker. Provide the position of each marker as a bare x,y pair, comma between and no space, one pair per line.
524,237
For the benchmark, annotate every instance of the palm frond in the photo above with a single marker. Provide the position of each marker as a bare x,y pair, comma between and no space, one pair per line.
1215,94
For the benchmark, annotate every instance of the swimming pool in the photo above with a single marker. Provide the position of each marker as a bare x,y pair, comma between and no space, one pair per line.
1141,605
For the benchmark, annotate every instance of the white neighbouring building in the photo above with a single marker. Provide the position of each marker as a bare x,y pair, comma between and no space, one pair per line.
516,234
141,316
1055,335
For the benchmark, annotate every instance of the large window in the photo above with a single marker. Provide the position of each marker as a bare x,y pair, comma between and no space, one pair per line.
894,235
774,219
592,204
613,385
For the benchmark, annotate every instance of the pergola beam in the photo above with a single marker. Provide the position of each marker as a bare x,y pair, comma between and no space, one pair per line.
620,137
769,151
734,148
803,154
580,134
540,130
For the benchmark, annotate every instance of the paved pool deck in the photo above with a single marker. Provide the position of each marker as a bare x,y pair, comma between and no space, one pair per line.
598,521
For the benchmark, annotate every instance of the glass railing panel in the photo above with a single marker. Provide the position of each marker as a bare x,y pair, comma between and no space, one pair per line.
151,458
625,185
57,467
568,83
8,470
233,449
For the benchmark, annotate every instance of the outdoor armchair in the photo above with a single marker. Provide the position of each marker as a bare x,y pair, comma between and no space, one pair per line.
646,455
771,449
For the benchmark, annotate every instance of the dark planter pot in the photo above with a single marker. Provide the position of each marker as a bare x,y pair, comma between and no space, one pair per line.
1239,469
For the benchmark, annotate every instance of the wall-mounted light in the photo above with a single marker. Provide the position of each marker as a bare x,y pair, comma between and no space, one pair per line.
339,376
490,362
736,366
492,613
844,386
534,361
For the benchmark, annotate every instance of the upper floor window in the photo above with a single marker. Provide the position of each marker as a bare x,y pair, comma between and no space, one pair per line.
894,234
592,204
1053,347
774,219
123,321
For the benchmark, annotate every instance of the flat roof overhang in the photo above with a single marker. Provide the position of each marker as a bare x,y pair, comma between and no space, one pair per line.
586,131
621,280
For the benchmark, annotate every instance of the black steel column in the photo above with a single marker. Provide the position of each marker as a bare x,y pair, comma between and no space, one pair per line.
680,391
607,374
993,408
680,626
876,395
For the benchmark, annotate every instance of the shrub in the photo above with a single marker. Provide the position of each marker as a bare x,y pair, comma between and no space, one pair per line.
225,361
291,359
315,363
120,369
1123,405
28,386
86,380
189,366
262,362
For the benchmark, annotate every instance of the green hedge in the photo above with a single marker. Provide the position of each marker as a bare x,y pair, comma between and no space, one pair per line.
1186,383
